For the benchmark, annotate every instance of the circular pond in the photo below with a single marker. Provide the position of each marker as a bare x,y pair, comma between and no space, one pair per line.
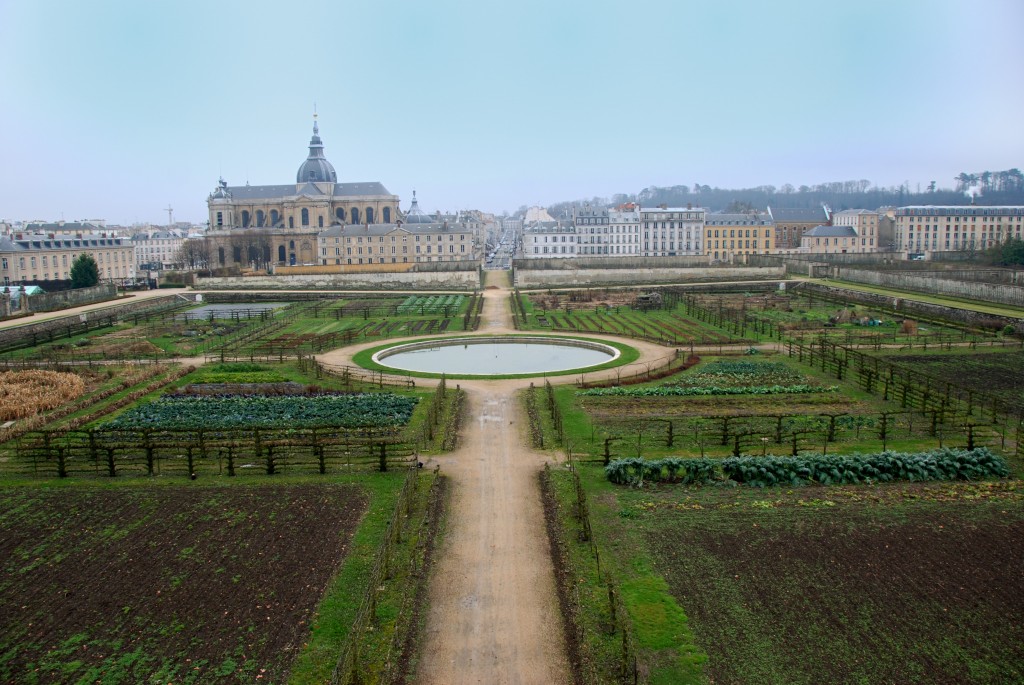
496,356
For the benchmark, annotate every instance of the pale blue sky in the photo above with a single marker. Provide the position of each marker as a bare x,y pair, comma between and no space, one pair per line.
115,109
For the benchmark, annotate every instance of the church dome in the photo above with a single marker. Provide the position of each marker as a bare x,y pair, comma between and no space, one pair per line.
316,168
415,215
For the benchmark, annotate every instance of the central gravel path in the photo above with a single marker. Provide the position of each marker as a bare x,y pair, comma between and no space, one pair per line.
494,614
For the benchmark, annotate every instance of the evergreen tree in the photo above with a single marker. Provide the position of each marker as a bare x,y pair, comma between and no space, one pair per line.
84,272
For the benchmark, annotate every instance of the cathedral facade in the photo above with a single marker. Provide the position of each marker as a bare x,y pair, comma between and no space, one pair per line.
261,226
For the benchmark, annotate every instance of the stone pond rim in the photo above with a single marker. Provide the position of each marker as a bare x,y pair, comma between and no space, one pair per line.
501,356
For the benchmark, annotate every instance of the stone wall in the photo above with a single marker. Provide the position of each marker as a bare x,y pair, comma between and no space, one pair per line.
912,309
435,280
114,312
568,276
66,299
930,283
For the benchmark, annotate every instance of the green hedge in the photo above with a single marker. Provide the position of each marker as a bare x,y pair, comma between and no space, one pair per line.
941,464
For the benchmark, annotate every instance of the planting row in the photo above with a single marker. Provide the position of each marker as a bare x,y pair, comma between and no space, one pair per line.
290,411
941,464
694,391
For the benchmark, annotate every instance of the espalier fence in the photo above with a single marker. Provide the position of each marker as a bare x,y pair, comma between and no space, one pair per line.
199,452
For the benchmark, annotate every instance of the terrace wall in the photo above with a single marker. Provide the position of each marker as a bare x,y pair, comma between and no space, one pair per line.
912,309
525,276
411,280
932,283
65,299
115,312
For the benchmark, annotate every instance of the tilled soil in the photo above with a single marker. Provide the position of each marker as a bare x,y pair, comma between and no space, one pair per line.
910,594
169,584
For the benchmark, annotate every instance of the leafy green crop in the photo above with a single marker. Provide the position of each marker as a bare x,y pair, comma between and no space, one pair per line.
363,410
941,464
678,390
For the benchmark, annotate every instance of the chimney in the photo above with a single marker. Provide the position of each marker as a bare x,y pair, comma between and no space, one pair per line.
689,205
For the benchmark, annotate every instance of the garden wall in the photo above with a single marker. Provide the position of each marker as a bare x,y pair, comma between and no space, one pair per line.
931,283
573,276
114,312
66,299
911,309
412,280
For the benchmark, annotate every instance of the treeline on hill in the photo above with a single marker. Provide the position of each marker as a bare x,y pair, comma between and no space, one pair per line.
986,188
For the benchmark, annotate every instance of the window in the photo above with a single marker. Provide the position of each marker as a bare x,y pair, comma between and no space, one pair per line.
305,217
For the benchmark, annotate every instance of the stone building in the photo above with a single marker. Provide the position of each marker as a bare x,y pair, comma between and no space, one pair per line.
279,224
928,228
49,258
830,240
792,222
672,231
865,222
727,235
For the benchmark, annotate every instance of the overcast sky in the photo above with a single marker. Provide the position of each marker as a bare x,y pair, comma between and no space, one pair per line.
113,110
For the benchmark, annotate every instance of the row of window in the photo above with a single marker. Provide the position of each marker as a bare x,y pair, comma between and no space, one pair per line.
111,273
260,219
394,250
738,233
380,239
734,244
380,260
47,260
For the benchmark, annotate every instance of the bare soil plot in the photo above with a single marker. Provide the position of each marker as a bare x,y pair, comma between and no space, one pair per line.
895,584
994,373
165,584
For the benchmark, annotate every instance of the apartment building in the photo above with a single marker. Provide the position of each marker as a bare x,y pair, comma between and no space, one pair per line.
551,239
865,223
396,243
671,231
49,257
936,228
727,235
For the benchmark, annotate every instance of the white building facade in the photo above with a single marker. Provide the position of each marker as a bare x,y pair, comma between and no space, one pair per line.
671,231
550,239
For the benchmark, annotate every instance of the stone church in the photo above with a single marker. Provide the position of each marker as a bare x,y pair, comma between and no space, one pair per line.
260,226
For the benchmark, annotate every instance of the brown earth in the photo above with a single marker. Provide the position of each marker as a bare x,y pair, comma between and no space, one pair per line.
183,585
909,594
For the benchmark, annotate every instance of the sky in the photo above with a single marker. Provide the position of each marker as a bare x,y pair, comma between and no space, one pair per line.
117,109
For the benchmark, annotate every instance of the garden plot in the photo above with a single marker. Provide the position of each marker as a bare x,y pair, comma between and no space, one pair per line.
211,585
897,584
999,374
247,310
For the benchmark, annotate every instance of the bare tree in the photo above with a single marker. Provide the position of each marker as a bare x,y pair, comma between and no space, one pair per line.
194,253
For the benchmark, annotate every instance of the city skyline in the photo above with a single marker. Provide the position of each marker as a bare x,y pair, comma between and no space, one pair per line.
115,110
